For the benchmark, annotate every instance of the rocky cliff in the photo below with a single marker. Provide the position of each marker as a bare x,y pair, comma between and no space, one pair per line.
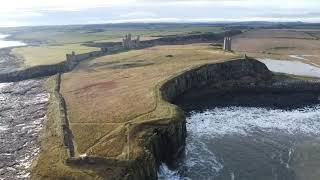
164,139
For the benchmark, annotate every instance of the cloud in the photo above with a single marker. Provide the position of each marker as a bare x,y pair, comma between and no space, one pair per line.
41,12
137,14
59,4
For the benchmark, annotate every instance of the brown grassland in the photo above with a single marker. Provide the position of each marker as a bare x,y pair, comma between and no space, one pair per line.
106,94
103,94
279,44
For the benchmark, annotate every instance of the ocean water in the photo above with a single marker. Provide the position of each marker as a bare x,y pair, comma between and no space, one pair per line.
5,43
246,143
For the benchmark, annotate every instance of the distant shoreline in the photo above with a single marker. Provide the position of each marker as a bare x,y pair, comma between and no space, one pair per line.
5,42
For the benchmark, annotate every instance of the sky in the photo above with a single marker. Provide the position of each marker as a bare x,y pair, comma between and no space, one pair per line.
61,12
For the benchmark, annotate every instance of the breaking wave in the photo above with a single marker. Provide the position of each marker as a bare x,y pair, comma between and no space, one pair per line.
203,128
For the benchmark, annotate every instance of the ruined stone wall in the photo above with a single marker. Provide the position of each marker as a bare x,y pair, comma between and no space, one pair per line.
64,129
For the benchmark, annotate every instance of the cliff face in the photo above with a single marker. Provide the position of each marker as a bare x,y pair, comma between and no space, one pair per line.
166,137
163,140
214,73
33,72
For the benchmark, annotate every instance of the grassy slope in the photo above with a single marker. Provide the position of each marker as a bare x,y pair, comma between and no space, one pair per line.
109,91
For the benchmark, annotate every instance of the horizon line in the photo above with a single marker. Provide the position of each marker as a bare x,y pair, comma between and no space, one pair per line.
165,22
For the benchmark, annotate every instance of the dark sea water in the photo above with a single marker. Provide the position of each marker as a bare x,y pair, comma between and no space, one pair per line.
244,143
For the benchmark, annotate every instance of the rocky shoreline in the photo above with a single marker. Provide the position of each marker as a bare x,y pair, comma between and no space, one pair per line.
23,108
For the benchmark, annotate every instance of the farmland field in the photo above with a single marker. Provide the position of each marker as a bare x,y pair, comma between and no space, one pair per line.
52,43
280,44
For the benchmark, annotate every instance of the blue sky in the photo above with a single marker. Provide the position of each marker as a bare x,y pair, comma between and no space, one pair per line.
52,12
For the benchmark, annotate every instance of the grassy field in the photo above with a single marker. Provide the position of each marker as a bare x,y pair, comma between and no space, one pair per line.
48,54
279,44
103,94
50,162
56,41
81,34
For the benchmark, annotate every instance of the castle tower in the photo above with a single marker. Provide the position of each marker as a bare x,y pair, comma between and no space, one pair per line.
227,43
129,43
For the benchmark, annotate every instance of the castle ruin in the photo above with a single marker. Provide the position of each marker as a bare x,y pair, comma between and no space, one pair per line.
129,43
227,43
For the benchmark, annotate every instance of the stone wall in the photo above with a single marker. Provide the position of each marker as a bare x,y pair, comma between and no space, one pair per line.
64,129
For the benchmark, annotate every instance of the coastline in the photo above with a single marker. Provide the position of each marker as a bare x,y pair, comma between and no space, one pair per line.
163,138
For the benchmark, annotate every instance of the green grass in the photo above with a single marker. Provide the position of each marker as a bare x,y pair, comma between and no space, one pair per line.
43,55
59,40
75,34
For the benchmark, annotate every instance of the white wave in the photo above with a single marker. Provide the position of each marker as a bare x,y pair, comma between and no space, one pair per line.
165,173
200,161
3,85
199,156
3,128
243,120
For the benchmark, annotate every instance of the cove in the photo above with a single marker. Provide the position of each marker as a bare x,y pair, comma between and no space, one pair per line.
236,132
